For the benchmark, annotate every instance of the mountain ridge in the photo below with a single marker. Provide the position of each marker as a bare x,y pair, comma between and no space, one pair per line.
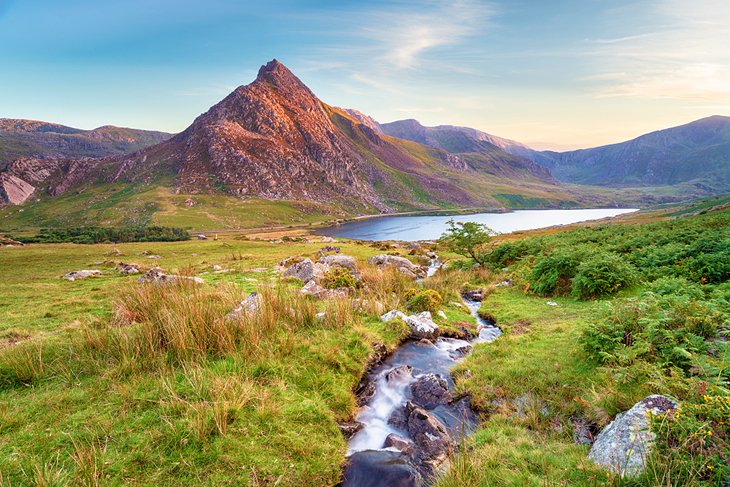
273,139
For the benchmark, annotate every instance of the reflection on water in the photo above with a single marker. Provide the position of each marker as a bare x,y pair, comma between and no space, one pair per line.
410,228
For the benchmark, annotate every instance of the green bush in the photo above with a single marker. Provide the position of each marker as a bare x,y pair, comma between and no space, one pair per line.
338,277
679,286
94,235
553,273
601,275
418,300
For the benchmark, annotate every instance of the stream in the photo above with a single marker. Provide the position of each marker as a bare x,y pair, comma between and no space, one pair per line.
401,442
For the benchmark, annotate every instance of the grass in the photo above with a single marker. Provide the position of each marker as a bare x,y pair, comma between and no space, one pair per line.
112,382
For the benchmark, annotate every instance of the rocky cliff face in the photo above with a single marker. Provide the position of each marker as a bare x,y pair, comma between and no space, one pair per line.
274,139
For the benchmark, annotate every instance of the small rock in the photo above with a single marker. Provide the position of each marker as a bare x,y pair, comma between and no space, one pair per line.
76,275
216,267
157,276
398,442
328,240
400,374
127,269
248,306
473,294
441,314
430,390
350,428
201,237
551,303
391,315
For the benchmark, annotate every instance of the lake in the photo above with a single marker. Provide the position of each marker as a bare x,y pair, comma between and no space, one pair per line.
410,228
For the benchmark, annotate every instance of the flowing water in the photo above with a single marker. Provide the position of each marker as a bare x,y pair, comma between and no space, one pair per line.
411,228
371,463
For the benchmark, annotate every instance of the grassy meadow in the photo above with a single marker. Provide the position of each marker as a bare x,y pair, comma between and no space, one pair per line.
105,381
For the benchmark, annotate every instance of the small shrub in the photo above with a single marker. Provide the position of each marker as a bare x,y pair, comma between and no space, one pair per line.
418,300
680,286
553,273
601,275
338,277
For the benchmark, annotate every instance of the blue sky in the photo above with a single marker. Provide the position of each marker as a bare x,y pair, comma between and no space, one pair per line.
553,74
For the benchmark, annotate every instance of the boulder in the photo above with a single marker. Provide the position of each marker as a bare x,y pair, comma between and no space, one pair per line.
304,270
625,444
328,240
248,306
344,261
329,248
377,468
399,419
422,325
430,390
76,275
127,269
432,443
401,263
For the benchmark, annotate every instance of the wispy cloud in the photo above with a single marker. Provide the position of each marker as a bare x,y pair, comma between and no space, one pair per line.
404,35
685,56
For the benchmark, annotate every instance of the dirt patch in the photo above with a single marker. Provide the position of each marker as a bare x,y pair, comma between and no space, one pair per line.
520,327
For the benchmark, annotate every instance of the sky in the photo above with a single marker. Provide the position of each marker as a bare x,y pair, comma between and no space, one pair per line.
554,74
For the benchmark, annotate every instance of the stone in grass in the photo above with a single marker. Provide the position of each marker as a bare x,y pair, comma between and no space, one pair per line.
625,444
247,307
422,325
157,276
76,275
393,314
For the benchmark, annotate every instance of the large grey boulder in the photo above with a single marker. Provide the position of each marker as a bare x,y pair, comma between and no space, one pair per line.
76,275
625,444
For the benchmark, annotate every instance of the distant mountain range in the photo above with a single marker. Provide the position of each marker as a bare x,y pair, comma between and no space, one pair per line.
34,139
697,154
274,140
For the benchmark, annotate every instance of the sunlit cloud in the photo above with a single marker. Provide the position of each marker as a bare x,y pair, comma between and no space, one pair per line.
685,57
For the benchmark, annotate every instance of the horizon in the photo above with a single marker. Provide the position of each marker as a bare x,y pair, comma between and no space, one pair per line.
612,72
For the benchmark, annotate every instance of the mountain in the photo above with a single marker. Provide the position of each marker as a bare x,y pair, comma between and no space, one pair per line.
34,139
698,153
464,141
273,141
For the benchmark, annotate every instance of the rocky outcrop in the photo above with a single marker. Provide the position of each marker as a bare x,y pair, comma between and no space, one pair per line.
14,190
625,444
305,270
311,288
77,275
